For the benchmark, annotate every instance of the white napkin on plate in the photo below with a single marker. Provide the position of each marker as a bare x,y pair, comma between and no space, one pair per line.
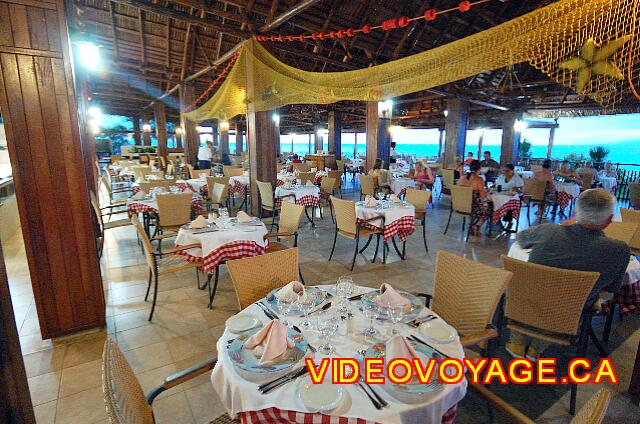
270,342
399,347
199,222
309,183
370,201
394,198
291,291
139,195
243,217
389,296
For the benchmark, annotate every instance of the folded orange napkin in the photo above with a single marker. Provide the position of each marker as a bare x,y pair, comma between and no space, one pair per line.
199,222
139,195
399,347
243,217
394,198
291,291
270,342
389,296
370,201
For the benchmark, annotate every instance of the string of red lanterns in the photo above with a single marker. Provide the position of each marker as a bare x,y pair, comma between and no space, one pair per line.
213,84
401,22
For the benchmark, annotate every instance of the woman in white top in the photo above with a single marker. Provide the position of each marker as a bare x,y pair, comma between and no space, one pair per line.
509,180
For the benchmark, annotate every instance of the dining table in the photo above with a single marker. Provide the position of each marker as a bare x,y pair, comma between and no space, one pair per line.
525,174
566,192
149,204
238,388
305,195
397,218
400,185
503,203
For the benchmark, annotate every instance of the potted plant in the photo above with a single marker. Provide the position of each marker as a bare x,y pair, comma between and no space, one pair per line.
525,152
598,154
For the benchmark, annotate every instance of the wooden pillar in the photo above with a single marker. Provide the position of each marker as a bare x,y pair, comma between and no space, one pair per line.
16,407
239,136
510,149
480,141
161,127
552,135
335,133
318,138
39,107
87,134
137,136
263,140
440,140
378,136
455,130
146,134
190,135
224,137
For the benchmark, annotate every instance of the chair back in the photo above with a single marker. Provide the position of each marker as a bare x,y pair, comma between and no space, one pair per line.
466,292
220,180
594,410
144,158
630,215
300,167
634,195
535,188
218,194
266,193
140,172
367,185
160,183
290,216
340,165
254,277
587,179
546,298
311,163
418,198
95,204
147,247
345,214
195,173
327,185
174,208
163,162
448,178
307,176
105,183
623,231
385,177
338,178
461,199
232,171
115,158
123,395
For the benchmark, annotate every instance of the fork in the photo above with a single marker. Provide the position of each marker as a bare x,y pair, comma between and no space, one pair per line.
371,398
379,398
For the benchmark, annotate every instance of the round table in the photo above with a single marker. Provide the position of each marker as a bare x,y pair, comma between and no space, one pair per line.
504,203
307,196
399,185
241,397
566,192
399,218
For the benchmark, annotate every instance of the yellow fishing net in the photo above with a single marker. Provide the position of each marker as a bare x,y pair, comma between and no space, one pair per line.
589,45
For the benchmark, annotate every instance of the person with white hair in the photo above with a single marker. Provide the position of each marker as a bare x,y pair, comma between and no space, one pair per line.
579,244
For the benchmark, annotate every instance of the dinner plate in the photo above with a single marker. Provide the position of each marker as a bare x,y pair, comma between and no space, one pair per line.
241,322
412,310
245,360
438,331
317,294
323,397
209,226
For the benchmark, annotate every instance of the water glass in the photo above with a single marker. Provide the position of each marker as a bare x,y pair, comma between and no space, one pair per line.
371,311
327,326
306,304
395,314
284,307
381,195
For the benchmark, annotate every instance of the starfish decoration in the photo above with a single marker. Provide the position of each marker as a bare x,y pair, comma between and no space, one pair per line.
270,91
595,59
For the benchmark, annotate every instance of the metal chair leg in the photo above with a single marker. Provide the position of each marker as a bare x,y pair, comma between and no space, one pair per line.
155,296
335,237
366,244
424,236
355,252
448,222
375,255
146,296
212,293
395,246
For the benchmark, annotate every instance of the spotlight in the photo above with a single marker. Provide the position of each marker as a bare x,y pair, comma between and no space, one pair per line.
446,113
224,125
520,126
146,127
179,130
89,54
276,118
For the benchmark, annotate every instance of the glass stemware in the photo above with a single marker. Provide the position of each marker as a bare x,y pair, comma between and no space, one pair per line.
327,326
284,307
342,291
371,312
306,304
395,314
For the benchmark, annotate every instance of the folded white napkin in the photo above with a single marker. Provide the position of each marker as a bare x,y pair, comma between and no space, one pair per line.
139,195
370,201
394,198
399,347
291,291
270,342
243,217
309,183
389,296
199,222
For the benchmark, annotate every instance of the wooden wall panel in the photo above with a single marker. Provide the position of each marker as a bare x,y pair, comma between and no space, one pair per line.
38,103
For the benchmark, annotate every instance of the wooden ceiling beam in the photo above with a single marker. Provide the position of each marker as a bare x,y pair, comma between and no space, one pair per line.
300,7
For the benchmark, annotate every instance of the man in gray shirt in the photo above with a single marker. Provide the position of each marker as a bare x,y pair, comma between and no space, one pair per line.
580,246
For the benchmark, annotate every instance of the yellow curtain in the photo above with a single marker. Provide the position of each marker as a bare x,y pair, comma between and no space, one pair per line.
566,40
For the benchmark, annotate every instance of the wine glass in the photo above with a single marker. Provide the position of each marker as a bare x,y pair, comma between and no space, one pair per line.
327,326
342,291
306,304
371,311
395,314
284,307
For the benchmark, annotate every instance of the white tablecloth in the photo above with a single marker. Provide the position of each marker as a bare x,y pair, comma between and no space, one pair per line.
608,183
391,214
195,183
239,395
299,192
572,189
241,179
500,199
399,184
525,174
212,241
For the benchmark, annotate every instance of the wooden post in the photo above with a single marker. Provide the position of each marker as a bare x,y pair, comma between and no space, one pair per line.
190,135
510,149
239,136
455,130
137,136
224,137
318,137
480,141
335,133
146,134
552,135
39,107
378,136
161,127
87,135
440,140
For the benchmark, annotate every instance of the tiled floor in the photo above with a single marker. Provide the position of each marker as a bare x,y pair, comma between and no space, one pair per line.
64,375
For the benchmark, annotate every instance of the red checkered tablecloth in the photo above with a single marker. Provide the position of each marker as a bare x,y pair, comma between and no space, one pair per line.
277,416
306,201
138,207
512,205
279,182
627,298
233,250
403,227
563,199
237,188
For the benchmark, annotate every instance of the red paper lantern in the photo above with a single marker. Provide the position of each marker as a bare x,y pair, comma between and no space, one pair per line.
390,24
273,38
281,38
340,33
301,38
351,32
366,29
291,37
430,14
332,34
314,36
464,6
322,36
403,21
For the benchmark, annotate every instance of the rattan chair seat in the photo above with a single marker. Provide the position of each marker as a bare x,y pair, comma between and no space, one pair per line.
168,264
224,419
365,232
275,246
115,224
564,341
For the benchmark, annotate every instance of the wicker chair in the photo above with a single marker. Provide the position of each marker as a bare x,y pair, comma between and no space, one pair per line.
218,194
232,171
327,186
549,303
123,395
466,296
347,225
110,191
288,224
103,226
196,173
141,172
144,158
634,195
300,167
461,203
623,231
630,215
592,412
307,176
268,201
253,278
174,210
162,262
115,158
420,199
367,185
448,181
534,192
337,175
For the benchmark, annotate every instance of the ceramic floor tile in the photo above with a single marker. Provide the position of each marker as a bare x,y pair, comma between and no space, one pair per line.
81,377
44,361
46,412
84,407
148,357
44,388
173,409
